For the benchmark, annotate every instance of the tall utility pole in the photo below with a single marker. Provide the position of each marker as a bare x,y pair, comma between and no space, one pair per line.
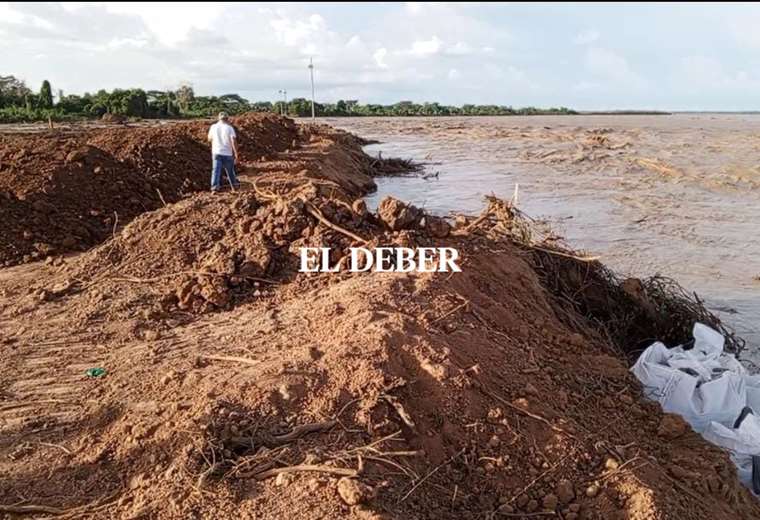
284,109
311,73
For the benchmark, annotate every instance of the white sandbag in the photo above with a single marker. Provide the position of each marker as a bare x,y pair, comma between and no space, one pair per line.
701,384
753,391
706,356
743,444
707,342
712,391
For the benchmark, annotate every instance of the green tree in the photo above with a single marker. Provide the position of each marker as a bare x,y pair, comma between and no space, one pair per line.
12,91
46,95
185,96
134,103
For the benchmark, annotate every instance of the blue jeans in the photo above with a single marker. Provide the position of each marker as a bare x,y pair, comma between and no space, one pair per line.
228,163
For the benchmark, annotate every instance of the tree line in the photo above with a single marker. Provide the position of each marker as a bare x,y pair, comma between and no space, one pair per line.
18,103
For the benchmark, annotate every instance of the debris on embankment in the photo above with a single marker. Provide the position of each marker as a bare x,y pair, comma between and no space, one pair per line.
237,386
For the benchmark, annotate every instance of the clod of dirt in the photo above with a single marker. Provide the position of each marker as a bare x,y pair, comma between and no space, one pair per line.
360,207
151,335
61,288
397,215
354,492
550,502
283,480
672,426
437,227
565,491
437,371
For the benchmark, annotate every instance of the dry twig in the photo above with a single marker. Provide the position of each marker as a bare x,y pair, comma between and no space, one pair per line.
233,359
431,473
402,413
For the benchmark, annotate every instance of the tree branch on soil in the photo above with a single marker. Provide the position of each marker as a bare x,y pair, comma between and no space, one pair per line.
233,359
317,214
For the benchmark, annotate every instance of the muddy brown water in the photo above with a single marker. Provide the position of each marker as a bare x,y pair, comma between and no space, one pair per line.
677,195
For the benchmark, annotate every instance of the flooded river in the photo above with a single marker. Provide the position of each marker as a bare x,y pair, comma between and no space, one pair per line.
677,195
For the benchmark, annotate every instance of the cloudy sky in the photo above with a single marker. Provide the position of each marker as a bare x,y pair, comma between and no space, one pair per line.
586,56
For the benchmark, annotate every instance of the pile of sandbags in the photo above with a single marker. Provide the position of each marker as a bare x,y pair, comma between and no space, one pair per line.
712,391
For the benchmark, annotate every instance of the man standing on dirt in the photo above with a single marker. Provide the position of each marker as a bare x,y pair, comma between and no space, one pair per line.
224,152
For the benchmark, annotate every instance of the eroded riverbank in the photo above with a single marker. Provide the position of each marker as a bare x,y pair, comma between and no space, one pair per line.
678,195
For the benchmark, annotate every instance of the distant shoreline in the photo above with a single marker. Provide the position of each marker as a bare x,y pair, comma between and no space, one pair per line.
624,113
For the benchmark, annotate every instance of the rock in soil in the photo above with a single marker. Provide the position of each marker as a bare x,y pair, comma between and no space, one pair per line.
397,215
354,492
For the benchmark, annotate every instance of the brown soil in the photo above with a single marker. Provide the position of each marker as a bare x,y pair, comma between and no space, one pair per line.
238,388
65,192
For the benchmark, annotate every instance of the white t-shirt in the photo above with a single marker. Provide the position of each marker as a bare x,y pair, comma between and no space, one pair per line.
221,135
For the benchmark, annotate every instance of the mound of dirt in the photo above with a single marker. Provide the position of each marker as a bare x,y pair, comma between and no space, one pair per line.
80,187
201,254
355,396
480,394
260,135
71,202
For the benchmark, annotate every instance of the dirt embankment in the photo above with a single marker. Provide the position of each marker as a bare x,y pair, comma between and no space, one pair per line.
64,192
238,387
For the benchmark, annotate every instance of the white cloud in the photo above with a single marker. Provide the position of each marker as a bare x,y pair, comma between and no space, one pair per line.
118,43
582,86
744,29
424,48
612,67
11,15
379,57
586,37
435,46
414,7
703,72
296,32
459,49
355,41
168,21
262,48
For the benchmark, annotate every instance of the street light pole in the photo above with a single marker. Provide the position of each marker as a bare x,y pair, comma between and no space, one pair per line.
311,73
